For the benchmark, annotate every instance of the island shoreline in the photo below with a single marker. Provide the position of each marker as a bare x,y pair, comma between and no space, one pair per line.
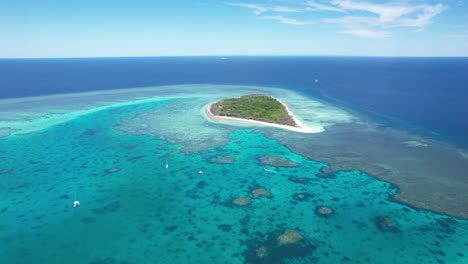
301,127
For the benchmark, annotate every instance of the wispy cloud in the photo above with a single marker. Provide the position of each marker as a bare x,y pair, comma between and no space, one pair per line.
285,20
384,16
366,33
314,6
258,9
359,18
463,34
386,13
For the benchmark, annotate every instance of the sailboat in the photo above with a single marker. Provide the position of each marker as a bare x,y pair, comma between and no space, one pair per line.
76,202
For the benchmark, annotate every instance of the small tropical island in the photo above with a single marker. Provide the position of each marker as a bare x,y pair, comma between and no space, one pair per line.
256,109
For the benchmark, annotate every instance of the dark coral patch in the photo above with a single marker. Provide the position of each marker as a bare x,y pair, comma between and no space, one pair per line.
5,171
446,224
201,184
171,228
225,227
135,158
108,260
224,160
326,175
109,208
145,228
89,132
300,180
87,220
385,224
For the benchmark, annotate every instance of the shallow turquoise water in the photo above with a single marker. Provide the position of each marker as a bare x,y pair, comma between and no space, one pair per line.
133,210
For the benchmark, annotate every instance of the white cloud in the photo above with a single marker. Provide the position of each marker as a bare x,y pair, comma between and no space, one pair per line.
362,18
394,14
314,6
358,26
258,9
352,21
366,33
421,19
386,12
284,9
286,20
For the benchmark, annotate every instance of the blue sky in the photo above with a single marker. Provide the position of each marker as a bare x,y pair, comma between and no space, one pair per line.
102,28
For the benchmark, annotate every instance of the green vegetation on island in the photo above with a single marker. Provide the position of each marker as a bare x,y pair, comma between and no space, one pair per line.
255,107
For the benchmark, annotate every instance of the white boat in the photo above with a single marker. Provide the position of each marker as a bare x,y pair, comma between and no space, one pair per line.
265,169
167,165
200,172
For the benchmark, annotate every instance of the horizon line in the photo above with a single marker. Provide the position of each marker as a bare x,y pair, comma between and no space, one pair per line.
223,56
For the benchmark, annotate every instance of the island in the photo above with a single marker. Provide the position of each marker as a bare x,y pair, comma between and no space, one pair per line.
256,109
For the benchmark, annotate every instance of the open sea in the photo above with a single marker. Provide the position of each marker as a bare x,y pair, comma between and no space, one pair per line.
159,183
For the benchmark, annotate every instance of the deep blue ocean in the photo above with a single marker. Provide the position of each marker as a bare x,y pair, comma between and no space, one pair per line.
429,95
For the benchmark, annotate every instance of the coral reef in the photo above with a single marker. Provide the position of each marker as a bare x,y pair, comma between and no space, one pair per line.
278,247
385,224
224,160
262,252
277,161
241,201
300,180
261,192
289,237
324,211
